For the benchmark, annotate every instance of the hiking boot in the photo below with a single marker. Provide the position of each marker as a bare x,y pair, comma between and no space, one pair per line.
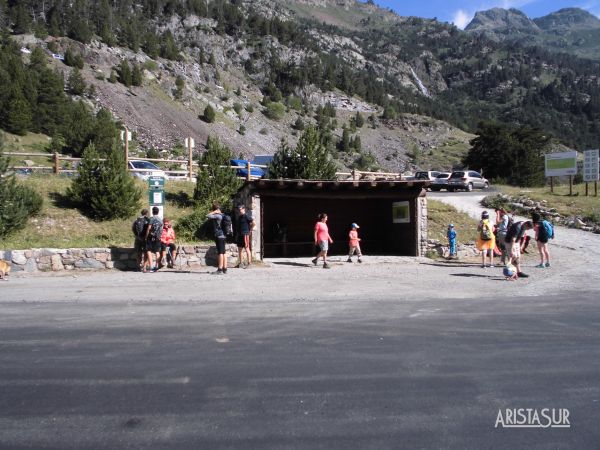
359,260
540,266
349,260
217,272
224,270
522,275
547,264
326,266
314,261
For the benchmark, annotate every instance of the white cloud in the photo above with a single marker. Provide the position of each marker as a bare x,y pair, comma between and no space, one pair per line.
461,18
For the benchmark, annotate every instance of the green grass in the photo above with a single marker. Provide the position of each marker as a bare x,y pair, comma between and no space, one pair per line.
568,205
440,215
61,226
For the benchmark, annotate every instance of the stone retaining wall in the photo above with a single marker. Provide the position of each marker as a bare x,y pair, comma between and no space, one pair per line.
55,260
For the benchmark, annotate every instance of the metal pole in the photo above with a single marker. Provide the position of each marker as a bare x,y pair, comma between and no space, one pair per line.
552,184
586,188
595,189
570,185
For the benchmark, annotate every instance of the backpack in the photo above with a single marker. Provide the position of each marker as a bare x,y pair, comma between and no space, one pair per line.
548,228
227,225
156,230
138,227
486,232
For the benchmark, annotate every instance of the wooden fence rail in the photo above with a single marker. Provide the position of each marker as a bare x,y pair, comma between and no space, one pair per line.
57,158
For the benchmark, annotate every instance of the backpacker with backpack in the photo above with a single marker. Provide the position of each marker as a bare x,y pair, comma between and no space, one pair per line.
486,232
548,229
156,229
139,226
227,226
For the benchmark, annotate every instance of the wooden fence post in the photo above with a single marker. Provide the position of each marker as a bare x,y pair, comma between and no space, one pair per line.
190,159
126,148
56,163
248,167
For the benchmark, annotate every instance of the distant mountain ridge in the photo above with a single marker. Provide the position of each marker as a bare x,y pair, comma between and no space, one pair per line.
569,30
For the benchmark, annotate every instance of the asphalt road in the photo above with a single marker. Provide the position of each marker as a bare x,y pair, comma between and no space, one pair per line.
371,372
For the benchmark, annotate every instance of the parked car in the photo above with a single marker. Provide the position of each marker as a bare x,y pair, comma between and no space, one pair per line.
467,180
427,175
242,171
440,182
145,169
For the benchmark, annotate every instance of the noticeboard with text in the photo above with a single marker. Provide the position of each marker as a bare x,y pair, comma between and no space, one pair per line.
561,164
591,165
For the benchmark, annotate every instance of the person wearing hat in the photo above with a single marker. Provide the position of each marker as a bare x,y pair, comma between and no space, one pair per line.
451,241
486,241
354,243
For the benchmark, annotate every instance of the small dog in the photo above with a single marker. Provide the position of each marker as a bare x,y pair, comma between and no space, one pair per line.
4,270
510,272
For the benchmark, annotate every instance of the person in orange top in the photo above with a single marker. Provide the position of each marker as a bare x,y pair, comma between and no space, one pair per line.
354,243
322,239
167,240
486,241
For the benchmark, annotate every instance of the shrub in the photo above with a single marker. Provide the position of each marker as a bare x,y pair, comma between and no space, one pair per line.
275,111
104,190
209,114
17,202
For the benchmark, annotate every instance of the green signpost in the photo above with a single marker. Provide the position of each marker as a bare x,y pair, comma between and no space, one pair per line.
156,193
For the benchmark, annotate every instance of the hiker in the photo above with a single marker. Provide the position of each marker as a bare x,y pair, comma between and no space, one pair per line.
216,216
354,243
322,240
139,229
245,225
486,241
512,241
543,233
152,236
167,241
451,234
503,221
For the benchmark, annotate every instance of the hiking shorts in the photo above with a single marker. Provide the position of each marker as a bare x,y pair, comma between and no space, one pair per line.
513,251
163,247
220,243
152,246
139,245
243,240
324,245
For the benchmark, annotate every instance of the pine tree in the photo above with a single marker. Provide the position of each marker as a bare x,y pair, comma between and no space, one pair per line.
125,73
17,202
209,114
18,114
215,180
310,160
359,120
104,190
136,75
76,84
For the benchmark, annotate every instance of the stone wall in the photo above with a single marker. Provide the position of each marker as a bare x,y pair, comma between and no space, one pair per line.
422,225
55,260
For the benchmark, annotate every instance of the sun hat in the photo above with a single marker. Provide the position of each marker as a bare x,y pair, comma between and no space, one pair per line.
354,225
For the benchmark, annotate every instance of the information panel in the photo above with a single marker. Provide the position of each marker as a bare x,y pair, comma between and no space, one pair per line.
591,166
561,164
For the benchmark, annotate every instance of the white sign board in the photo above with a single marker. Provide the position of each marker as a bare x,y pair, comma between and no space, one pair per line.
189,142
123,135
591,166
561,164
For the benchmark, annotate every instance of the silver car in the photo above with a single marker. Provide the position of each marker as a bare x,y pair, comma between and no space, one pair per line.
467,180
440,182
145,169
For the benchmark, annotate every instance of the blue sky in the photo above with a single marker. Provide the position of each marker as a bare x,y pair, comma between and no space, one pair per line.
460,12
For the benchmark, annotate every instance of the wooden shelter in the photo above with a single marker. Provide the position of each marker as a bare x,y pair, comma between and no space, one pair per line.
392,215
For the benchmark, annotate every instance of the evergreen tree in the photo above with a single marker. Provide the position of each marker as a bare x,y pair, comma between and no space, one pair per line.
359,120
215,180
179,85
18,114
310,160
76,84
125,73
17,202
104,190
136,75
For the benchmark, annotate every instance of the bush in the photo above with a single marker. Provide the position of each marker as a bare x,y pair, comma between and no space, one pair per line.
209,114
275,111
104,190
17,202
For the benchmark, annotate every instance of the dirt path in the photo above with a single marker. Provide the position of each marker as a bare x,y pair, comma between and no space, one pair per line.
574,254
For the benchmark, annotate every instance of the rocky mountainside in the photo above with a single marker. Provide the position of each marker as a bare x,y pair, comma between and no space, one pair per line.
569,30
398,92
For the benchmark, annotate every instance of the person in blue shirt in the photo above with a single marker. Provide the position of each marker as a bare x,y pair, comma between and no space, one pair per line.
452,240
